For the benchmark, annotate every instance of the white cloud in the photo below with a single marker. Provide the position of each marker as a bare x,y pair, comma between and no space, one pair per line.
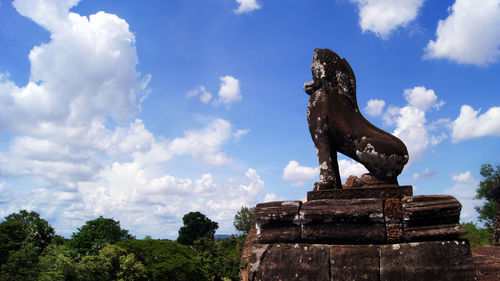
464,190
469,125
350,168
240,133
425,174
229,91
205,143
384,16
141,199
374,107
422,98
299,175
80,164
79,79
246,6
205,96
47,13
470,34
270,197
411,122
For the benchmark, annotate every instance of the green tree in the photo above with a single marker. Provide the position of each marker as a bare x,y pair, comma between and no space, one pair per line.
231,251
57,264
21,229
112,263
166,260
35,229
477,236
220,258
244,219
196,225
98,233
210,254
484,191
21,264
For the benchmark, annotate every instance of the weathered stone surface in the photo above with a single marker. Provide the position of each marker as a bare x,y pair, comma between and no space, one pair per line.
431,217
343,221
383,192
393,211
295,262
393,214
394,232
354,262
278,221
431,209
336,125
352,182
246,252
433,232
281,234
437,260
257,255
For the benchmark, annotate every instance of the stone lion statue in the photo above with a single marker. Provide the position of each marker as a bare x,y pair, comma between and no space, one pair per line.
336,125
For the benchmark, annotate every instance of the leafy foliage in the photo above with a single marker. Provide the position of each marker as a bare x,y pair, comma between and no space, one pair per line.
23,229
484,191
477,236
196,225
98,233
21,264
101,250
57,264
110,265
244,219
166,260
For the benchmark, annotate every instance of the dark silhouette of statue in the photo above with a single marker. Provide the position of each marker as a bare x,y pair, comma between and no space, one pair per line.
336,125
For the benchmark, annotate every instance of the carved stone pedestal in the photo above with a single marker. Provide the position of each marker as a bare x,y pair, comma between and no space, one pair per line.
381,233
435,260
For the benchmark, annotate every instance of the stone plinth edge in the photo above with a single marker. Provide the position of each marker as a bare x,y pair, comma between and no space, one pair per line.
360,221
433,260
382,192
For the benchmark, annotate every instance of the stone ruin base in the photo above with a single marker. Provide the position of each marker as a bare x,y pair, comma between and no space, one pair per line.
377,233
434,260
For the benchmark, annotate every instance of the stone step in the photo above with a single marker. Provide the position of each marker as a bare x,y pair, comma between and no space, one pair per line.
360,221
436,260
381,192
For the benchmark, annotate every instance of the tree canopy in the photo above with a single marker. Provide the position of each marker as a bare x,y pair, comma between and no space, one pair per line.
24,231
196,225
244,219
96,234
484,191
166,260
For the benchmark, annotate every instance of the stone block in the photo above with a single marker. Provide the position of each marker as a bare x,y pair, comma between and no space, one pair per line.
343,221
278,221
394,232
431,217
436,260
295,262
381,192
257,254
393,214
354,262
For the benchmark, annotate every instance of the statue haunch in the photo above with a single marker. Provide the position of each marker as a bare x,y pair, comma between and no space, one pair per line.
336,125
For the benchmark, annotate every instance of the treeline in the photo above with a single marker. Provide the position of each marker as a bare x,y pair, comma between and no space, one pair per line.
101,250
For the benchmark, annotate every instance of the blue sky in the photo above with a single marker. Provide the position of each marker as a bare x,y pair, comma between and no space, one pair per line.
146,110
